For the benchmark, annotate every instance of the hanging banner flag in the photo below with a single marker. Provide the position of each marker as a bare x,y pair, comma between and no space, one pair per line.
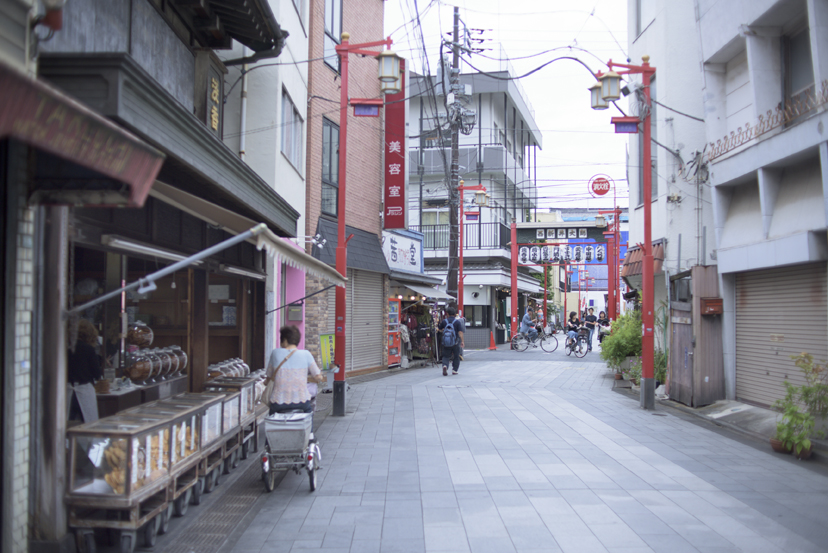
395,214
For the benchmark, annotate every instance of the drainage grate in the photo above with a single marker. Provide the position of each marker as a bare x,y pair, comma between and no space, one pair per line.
211,530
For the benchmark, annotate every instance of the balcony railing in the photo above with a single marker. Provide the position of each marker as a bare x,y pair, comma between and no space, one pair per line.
476,236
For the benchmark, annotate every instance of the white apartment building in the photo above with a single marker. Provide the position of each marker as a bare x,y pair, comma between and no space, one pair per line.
765,80
499,153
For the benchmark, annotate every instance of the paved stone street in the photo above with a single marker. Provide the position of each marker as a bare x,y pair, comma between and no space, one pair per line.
530,452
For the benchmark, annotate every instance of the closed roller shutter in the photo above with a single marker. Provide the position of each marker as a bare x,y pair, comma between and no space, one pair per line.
366,335
779,313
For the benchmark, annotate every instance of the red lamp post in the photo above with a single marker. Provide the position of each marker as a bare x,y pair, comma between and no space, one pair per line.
481,199
388,76
610,91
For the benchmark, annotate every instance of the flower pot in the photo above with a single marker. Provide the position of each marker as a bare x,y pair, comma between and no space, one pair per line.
618,376
779,446
804,453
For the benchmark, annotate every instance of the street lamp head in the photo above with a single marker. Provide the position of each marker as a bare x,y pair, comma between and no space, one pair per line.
390,88
595,95
610,86
481,199
389,66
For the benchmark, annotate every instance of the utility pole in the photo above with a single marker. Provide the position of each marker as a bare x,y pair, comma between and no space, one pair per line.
454,199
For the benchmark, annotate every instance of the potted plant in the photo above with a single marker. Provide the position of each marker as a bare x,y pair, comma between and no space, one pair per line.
795,429
623,342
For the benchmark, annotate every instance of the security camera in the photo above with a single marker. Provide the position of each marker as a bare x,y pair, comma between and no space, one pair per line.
475,294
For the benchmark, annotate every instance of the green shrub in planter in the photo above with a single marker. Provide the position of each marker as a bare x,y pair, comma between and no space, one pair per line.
624,340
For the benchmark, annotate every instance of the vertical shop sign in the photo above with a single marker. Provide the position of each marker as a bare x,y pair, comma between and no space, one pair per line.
214,101
395,215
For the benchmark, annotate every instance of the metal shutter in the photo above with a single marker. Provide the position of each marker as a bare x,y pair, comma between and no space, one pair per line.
366,337
779,313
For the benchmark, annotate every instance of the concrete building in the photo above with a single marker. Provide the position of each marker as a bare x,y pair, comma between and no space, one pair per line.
368,285
765,76
682,215
498,153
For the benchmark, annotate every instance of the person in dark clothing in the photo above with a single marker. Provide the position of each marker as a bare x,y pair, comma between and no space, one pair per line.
590,322
83,364
572,326
451,354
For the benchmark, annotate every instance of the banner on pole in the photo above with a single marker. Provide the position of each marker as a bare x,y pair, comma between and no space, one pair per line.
395,210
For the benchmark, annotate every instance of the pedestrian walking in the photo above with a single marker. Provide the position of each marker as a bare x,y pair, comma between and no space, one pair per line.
451,331
290,368
590,322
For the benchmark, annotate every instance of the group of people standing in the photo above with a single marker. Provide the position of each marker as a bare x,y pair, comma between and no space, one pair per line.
593,325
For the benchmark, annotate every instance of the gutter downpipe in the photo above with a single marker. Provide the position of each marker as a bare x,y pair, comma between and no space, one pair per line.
243,108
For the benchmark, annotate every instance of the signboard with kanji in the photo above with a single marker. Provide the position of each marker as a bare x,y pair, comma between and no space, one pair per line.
395,212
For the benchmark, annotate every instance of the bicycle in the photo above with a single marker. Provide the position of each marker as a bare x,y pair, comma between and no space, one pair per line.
580,347
548,342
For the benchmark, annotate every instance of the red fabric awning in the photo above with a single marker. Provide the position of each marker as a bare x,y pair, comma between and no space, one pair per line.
43,117
635,257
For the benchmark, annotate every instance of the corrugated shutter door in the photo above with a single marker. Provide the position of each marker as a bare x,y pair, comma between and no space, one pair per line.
366,338
779,313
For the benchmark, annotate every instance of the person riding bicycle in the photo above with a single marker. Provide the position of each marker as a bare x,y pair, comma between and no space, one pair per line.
527,325
572,326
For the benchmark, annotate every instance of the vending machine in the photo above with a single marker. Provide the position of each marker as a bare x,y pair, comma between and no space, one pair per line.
394,313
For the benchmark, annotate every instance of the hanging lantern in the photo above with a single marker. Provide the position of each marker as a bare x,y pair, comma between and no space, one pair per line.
545,254
481,199
588,251
390,88
523,255
567,253
556,254
578,253
534,254
610,86
389,66
599,253
595,95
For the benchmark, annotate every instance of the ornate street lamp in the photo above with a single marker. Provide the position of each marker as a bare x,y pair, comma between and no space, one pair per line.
389,73
595,94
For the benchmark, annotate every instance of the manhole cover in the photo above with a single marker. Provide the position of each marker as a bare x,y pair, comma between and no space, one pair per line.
495,381
453,386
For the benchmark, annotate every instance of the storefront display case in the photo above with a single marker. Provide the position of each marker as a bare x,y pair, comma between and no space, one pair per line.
125,456
231,408
211,416
246,386
184,418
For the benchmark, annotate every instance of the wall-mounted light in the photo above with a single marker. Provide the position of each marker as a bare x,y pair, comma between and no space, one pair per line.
399,296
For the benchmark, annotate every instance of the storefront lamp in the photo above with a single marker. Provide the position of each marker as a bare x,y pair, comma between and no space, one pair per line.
610,86
595,95
389,66
399,296
413,298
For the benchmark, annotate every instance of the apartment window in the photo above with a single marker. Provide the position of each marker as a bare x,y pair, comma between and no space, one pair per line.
291,132
798,72
330,167
653,150
333,32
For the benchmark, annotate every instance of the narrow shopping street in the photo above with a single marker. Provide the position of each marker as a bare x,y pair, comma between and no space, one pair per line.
532,452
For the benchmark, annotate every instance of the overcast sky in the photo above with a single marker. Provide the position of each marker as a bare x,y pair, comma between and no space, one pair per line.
577,141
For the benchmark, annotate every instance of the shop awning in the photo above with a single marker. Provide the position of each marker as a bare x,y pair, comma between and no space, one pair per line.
429,292
364,249
42,117
404,277
236,224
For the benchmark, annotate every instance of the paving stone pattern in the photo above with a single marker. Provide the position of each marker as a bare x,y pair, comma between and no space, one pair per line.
528,453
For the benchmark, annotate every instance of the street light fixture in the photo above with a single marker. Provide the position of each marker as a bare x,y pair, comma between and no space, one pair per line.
481,199
597,101
389,73
610,91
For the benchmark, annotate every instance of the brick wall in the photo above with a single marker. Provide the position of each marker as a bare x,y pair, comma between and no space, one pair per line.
22,377
363,19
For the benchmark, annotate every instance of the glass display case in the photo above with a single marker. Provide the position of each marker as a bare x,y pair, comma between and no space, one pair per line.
247,388
119,455
211,416
231,410
184,418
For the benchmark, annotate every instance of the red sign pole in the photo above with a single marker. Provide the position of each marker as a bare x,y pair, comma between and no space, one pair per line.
514,310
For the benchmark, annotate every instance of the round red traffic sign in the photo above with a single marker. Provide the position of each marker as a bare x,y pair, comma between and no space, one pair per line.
600,185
